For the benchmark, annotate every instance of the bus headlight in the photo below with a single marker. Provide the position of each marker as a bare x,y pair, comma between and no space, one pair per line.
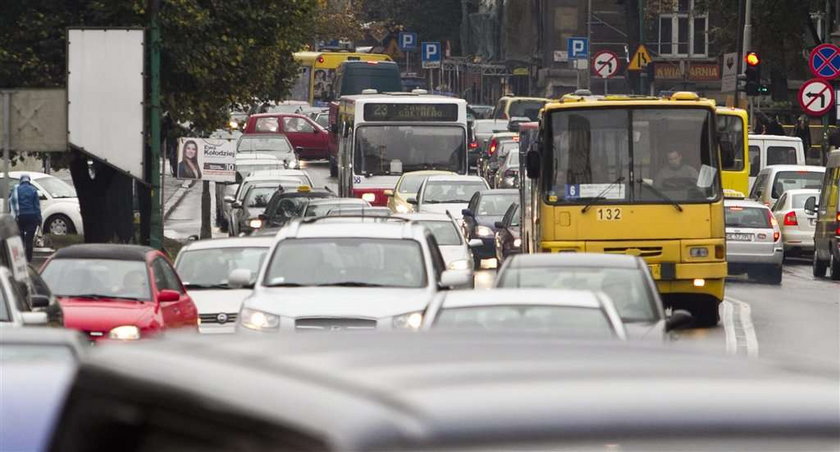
698,251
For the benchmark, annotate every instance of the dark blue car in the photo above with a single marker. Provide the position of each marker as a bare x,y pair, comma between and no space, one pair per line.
480,217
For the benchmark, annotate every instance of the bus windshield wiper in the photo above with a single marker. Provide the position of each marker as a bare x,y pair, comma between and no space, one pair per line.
601,195
659,193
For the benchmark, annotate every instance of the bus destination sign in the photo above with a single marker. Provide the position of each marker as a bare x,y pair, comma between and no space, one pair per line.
411,112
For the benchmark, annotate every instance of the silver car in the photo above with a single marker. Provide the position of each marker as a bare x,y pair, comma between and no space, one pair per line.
797,225
324,274
753,241
451,243
205,266
442,194
507,175
577,313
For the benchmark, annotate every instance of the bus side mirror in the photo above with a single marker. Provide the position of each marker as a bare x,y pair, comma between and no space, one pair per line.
532,164
811,205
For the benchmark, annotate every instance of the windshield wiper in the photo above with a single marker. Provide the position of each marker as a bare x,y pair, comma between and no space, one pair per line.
100,297
659,193
601,195
351,284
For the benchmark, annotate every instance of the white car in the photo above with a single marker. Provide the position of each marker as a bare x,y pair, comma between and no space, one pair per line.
204,267
59,203
451,243
442,194
576,313
327,274
797,225
249,162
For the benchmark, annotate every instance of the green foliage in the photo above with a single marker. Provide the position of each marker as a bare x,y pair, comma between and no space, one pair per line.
432,20
215,53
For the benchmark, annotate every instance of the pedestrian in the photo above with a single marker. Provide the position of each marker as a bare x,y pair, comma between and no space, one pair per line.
25,206
803,131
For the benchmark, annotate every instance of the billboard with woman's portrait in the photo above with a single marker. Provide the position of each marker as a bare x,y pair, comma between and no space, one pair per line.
211,160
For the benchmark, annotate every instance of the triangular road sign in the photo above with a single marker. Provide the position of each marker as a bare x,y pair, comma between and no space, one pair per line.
640,59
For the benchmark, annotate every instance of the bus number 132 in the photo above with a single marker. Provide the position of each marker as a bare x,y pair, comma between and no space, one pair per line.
608,214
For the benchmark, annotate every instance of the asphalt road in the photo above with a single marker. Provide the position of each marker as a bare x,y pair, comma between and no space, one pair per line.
797,323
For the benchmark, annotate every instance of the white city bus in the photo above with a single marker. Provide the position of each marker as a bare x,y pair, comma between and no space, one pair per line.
382,136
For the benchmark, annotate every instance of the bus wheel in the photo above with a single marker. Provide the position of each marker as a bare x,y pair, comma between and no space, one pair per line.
706,313
333,167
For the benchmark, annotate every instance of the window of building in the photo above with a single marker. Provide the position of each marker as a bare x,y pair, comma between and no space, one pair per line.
683,31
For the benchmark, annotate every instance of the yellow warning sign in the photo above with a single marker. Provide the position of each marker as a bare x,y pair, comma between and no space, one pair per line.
640,59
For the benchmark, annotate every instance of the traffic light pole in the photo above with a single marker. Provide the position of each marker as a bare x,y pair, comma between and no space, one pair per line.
156,214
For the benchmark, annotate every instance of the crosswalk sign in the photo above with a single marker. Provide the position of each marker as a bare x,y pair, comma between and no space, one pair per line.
640,59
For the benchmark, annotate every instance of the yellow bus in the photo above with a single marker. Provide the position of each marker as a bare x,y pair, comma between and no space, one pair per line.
637,176
317,72
733,139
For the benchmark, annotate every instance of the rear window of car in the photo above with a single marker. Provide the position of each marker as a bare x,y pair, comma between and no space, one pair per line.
445,232
528,108
792,180
747,217
781,155
572,321
798,201
496,205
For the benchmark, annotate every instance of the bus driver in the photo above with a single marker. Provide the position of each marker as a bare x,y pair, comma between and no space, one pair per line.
675,174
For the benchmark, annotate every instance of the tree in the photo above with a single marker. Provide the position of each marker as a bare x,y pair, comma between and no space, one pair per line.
215,54
432,20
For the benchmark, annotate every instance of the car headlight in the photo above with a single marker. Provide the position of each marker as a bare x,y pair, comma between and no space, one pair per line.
255,223
258,320
124,333
369,197
483,231
699,252
401,208
461,264
517,242
411,321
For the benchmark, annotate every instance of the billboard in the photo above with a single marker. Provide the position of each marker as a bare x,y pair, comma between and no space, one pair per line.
37,118
206,159
105,95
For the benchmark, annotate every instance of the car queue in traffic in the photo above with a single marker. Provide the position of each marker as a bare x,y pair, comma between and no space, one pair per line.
418,211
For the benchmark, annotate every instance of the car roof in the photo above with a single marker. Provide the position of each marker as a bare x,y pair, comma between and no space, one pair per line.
424,216
756,137
45,336
802,191
104,251
573,260
263,135
522,297
232,242
277,114
499,192
396,391
778,168
340,201
744,203
454,178
332,227
252,179
32,174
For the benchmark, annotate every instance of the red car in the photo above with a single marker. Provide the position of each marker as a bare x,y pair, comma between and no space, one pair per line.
121,292
310,140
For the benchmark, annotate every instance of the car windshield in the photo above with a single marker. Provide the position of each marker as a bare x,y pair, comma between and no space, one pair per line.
394,150
348,262
651,155
445,232
411,183
322,208
98,278
628,288
210,268
568,321
56,187
496,205
527,108
513,160
792,180
277,143
781,155
506,146
747,217
451,191
258,196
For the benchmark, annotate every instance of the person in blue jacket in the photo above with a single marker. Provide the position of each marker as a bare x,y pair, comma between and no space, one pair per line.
26,208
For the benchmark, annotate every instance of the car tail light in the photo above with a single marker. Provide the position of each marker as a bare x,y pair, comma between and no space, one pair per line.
320,59
473,144
790,219
837,231
775,224
492,148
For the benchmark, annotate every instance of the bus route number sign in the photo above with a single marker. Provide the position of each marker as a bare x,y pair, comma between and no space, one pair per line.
411,112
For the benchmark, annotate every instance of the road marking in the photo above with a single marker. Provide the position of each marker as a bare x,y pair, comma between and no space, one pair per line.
729,328
745,324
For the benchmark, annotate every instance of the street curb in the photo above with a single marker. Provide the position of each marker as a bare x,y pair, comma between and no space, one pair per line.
178,196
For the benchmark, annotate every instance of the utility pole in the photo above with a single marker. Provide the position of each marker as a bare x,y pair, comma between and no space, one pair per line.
643,82
156,216
747,44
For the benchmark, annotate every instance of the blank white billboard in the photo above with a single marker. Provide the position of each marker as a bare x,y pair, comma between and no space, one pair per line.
105,95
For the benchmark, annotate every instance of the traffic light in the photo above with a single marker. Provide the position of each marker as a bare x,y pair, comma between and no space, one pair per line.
752,73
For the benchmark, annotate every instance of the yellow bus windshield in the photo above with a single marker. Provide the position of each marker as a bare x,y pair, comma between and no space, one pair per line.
632,155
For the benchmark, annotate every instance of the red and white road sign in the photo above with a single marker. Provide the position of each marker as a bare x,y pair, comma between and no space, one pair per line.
816,97
605,64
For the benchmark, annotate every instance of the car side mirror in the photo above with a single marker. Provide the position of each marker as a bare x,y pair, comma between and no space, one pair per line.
388,193
315,130
39,300
168,296
475,243
532,164
236,205
229,199
679,319
42,196
811,205
334,128
34,318
499,224
240,278
451,279
412,200
467,213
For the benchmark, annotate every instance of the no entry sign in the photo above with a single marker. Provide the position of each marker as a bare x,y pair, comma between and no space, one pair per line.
816,97
605,64
825,61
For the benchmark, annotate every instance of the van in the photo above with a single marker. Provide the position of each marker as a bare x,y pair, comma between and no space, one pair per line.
353,77
766,150
774,180
509,107
827,229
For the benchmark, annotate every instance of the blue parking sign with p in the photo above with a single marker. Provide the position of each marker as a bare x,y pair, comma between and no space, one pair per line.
431,51
578,48
408,41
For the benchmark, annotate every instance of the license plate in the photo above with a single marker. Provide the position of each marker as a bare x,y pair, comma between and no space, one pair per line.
739,237
655,271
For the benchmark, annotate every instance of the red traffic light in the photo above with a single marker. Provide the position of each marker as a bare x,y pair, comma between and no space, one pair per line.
752,59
